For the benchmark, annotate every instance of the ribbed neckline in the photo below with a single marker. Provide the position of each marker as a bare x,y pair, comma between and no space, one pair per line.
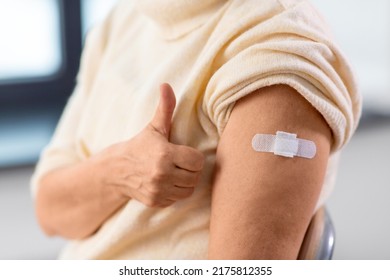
175,18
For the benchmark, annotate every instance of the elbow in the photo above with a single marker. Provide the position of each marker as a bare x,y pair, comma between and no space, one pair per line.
42,216
45,226
52,228
45,213
42,207
56,218
48,231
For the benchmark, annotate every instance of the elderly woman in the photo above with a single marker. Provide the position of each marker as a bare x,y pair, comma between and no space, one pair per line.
138,170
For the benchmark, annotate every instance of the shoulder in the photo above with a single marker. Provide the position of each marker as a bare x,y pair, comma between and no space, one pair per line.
288,16
282,42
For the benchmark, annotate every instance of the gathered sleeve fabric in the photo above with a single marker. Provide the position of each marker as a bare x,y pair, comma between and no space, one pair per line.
290,46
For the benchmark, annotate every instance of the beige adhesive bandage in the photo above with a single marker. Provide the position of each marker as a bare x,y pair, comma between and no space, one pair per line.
284,144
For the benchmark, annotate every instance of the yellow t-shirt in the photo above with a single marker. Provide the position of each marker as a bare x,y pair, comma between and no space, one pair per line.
212,52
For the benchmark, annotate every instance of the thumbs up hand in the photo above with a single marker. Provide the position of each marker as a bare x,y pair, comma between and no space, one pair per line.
148,167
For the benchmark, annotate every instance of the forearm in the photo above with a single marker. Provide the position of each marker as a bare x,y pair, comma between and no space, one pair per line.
74,201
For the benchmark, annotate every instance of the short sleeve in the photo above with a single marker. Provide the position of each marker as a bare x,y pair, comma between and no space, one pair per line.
292,47
61,151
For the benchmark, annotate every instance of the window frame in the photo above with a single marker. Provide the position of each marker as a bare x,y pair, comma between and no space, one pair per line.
57,87
30,106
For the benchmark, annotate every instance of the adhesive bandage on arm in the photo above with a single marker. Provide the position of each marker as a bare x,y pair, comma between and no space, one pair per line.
284,144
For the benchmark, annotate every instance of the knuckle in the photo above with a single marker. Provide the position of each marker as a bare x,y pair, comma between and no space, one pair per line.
160,171
164,152
166,205
153,191
158,176
151,203
197,178
189,192
192,183
185,193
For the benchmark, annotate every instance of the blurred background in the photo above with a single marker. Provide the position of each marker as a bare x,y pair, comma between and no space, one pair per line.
40,46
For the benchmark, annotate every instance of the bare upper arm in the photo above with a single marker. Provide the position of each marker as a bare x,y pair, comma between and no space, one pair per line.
262,203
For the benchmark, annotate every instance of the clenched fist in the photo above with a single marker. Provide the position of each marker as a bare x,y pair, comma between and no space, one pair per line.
148,167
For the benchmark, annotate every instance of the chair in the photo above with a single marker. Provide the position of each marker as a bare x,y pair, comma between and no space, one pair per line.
319,240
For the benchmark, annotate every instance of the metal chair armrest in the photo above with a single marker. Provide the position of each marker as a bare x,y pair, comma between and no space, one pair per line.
319,240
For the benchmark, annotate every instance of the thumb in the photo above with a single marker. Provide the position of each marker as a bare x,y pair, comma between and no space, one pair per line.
163,116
